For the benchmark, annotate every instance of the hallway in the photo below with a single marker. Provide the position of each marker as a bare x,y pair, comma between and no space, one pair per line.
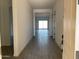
19,21
41,47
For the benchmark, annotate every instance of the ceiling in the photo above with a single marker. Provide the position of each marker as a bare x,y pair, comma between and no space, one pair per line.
42,4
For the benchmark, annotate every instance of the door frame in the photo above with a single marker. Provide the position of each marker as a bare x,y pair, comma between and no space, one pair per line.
69,29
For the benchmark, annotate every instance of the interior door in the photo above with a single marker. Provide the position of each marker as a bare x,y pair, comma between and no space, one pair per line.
0,45
0,33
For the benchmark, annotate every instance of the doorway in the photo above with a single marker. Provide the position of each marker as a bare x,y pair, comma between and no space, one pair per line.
42,31
7,47
43,24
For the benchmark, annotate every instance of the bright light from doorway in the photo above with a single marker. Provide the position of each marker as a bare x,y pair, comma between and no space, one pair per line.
43,24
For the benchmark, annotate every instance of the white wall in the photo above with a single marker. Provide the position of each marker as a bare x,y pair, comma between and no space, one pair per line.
22,24
42,10
77,28
58,21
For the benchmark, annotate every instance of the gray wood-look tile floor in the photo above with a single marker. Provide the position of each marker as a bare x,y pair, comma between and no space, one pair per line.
41,47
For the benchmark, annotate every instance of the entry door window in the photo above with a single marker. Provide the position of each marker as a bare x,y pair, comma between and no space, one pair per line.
43,24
